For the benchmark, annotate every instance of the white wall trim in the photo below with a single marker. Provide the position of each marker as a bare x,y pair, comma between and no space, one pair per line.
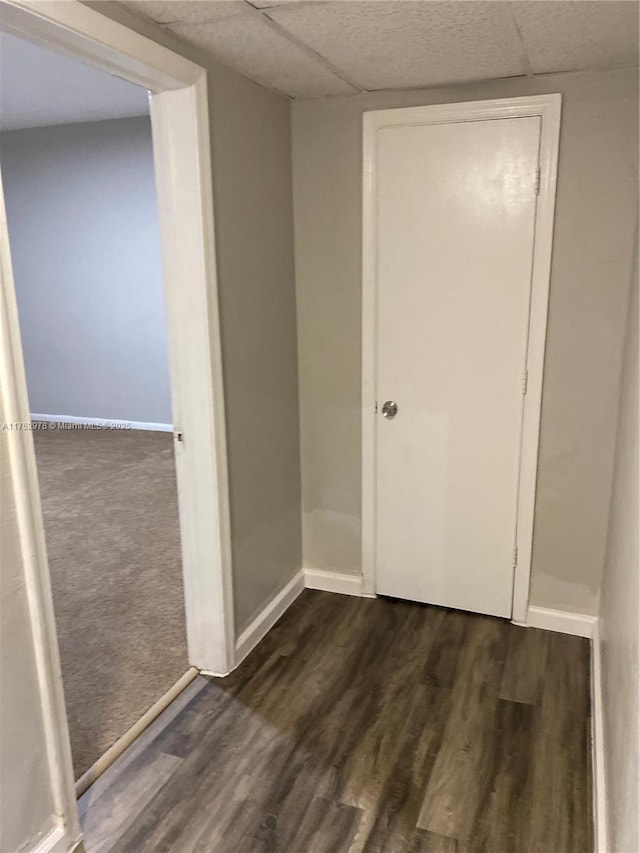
335,582
561,621
600,826
268,616
105,423
548,108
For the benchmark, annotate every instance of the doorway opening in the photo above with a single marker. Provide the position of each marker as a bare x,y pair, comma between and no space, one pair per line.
78,177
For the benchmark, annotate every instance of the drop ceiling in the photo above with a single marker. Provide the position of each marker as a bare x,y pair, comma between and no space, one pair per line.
307,49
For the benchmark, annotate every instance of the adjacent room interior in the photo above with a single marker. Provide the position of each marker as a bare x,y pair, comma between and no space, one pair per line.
78,175
417,226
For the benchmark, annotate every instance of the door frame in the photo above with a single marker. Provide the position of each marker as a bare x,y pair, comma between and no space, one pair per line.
548,108
182,157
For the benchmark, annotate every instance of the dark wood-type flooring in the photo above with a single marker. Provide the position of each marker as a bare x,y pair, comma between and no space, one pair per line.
366,725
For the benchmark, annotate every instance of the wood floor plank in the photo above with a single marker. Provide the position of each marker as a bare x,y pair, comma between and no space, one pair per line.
326,825
161,727
180,805
429,842
463,763
202,710
524,669
442,663
394,794
366,726
104,819
336,830
561,788
503,815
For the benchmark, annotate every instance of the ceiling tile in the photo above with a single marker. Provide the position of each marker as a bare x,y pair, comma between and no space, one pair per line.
193,11
577,35
250,45
391,45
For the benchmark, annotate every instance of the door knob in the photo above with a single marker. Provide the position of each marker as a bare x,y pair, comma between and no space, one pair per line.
389,410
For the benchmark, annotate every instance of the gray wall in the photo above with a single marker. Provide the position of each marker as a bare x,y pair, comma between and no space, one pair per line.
591,268
251,151
620,614
254,232
85,245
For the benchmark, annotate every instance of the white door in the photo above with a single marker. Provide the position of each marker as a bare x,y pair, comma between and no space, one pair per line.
453,246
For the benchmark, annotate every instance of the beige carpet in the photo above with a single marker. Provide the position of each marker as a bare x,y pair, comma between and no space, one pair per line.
111,521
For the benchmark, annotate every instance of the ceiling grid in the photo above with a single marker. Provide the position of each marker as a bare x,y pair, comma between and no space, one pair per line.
320,48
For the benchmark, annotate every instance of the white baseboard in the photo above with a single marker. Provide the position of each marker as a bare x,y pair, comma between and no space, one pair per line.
597,746
334,582
104,423
268,617
562,621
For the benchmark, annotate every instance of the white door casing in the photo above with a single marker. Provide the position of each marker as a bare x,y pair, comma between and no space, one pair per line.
456,255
